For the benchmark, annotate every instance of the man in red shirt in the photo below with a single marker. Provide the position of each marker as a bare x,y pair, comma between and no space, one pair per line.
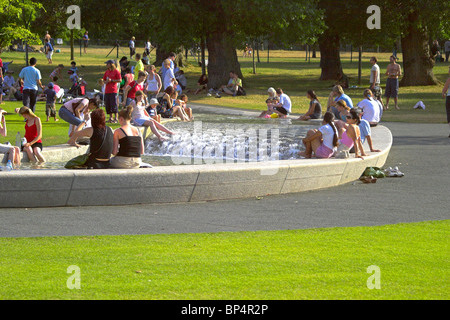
130,90
111,78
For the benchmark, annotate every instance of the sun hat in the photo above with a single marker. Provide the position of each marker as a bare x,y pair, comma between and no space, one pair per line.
153,101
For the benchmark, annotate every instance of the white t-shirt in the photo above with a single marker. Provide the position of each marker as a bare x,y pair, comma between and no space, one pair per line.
285,102
376,68
327,136
168,78
371,110
138,111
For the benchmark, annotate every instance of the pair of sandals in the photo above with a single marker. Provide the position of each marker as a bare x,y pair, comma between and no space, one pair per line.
367,179
113,121
393,172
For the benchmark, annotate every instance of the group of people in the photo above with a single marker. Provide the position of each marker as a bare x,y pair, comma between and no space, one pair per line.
149,95
345,126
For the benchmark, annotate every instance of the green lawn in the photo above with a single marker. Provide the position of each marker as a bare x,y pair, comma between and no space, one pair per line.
287,69
330,263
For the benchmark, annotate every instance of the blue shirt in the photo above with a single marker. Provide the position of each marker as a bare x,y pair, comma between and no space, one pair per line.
346,98
364,128
30,76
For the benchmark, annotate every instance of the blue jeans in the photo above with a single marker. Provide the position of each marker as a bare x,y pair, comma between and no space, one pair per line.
69,117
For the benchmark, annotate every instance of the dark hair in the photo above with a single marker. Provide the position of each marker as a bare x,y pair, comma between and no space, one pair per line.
329,119
126,113
169,90
172,54
355,115
374,59
33,61
55,79
98,119
138,55
312,94
279,91
94,101
73,62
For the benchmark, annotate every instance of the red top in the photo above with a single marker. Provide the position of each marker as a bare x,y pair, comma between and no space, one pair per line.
113,75
31,132
134,87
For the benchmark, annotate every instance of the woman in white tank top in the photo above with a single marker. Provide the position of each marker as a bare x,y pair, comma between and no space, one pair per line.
153,83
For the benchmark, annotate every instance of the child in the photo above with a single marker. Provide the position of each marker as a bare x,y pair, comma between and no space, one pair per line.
101,95
57,72
152,110
48,51
74,67
182,101
50,109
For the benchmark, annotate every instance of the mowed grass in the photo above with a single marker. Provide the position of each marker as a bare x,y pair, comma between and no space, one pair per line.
287,70
330,263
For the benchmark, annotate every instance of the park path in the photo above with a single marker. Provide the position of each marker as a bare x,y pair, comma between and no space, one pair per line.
421,151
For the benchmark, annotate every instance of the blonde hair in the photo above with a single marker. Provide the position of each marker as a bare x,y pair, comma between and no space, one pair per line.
339,89
126,113
167,62
343,104
27,111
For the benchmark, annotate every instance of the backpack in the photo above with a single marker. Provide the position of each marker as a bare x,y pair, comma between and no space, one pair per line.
241,91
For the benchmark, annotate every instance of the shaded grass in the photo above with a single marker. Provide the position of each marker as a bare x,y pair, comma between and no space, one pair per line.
304,264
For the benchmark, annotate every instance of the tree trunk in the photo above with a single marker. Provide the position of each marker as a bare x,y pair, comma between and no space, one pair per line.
202,49
417,61
162,54
330,59
222,58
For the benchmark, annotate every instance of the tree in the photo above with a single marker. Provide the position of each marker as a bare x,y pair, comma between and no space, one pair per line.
15,20
224,25
417,20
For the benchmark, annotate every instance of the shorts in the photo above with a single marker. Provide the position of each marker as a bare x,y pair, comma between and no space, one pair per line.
281,110
6,148
50,110
377,91
391,88
111,103
49,54
36,145
323,152
316,116
119,162
140,121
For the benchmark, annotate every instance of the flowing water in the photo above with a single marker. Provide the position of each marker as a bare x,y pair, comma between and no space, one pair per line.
215,138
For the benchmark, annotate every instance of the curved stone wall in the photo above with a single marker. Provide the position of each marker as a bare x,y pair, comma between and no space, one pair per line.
55,188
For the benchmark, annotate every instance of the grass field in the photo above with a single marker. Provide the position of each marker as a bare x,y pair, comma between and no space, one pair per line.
287,69
279,265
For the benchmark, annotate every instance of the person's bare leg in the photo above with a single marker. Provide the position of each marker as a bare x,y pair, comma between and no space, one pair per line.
38,154
396,103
